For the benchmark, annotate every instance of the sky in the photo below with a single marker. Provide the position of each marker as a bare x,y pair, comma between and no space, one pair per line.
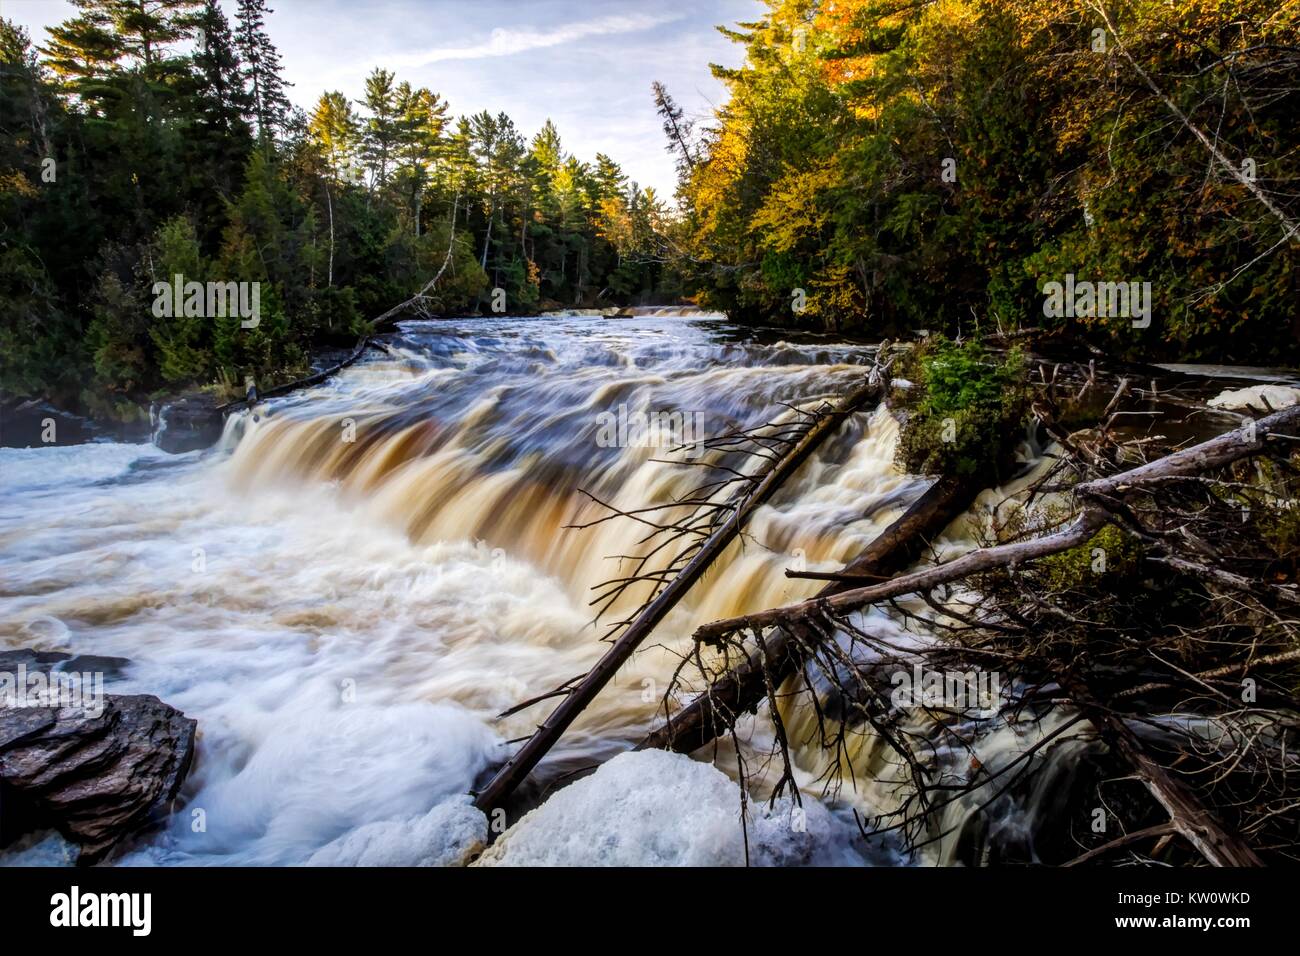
586,64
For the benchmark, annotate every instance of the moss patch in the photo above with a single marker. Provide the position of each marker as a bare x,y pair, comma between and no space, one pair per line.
966,410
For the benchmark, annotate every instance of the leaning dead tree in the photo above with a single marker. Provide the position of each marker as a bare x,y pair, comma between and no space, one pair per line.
717,513
743,688
420,302
1183,664
1103,502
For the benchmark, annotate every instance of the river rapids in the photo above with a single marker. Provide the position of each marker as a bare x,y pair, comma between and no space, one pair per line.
360,577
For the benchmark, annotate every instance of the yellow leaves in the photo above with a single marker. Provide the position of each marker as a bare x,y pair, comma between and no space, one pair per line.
714,181
834,291
612,222
13,181
844,25
790,211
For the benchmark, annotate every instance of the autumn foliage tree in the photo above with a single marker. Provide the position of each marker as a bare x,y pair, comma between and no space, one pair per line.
890,166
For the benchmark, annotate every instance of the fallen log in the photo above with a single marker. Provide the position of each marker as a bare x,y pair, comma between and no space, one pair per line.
583,692
383,323
1103,501
1097,497
743,688
1187,815
363,343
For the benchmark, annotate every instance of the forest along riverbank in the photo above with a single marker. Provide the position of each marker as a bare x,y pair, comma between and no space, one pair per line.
360,577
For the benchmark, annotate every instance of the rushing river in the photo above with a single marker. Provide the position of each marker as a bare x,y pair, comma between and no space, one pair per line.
350,588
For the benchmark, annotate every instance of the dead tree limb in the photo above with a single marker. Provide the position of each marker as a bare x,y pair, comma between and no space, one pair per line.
521,764
1290,229
741,690
382,322
1187,814
418,301
363,343
1135,836
1248,440
811,625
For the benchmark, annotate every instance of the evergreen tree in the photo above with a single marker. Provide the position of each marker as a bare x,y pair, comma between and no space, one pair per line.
224,100
176,152
84,50
335,130
382,130
421,119
147,28
268,103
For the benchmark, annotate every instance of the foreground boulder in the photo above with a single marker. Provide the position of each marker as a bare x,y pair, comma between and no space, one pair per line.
94,772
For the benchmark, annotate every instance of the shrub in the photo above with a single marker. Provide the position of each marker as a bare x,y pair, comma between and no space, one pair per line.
965,411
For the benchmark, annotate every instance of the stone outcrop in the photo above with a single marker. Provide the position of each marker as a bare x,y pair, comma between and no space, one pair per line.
96,771
190,422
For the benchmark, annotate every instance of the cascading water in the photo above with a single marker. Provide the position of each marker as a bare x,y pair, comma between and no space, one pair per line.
360,577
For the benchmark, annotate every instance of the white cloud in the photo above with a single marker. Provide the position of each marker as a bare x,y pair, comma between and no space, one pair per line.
506,42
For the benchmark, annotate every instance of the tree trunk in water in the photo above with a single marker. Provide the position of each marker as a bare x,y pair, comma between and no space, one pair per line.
536,747
744,688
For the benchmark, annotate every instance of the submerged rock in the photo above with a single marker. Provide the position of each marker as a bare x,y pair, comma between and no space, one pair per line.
95,770
59,663
31,423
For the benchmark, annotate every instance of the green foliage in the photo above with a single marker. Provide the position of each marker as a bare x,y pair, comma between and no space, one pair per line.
119,335
911,166
966,408
39,348
1280,529
176,152
1111,559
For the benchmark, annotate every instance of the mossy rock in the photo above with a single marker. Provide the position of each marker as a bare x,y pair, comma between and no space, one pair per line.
1109,556
966,411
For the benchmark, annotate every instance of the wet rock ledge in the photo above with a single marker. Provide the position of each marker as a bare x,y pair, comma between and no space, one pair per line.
96,771
189,423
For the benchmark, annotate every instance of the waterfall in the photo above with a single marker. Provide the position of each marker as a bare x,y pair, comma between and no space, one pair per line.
359,577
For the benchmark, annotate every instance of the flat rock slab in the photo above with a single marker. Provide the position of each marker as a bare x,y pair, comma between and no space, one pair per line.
96,775
58,662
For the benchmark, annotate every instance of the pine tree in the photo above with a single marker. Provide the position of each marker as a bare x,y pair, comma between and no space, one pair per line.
548,152
421,118
224,99
678,129
92,45
147,27
608,179
381,128
83,49
334,129
269,105
218,137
